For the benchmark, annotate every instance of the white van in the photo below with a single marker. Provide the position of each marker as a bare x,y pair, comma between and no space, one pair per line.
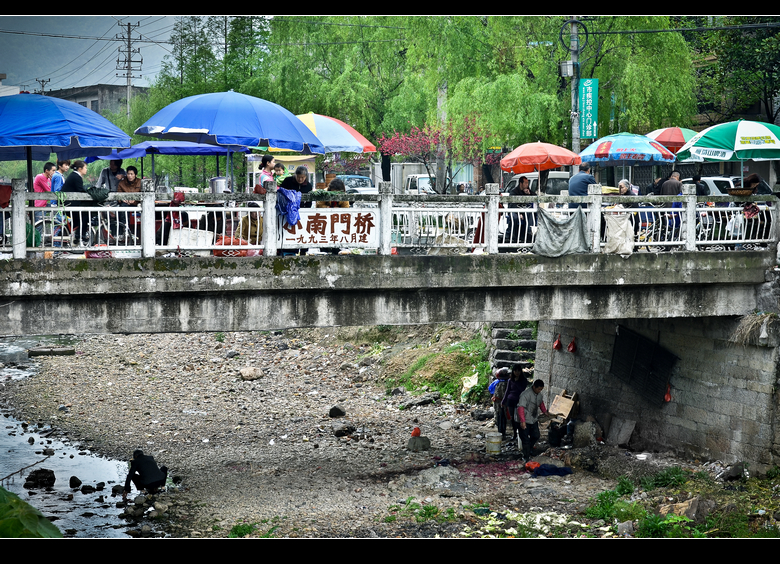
556,181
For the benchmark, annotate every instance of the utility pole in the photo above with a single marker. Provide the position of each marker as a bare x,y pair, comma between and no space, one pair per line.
128,62
42,82
574,47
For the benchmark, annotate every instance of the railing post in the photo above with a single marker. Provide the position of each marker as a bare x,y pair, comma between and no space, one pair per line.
491,220
269,219
594,191
18,219
689,217
147,218
385,218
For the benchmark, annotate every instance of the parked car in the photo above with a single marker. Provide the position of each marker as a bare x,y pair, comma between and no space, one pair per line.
718,185
556,181
362,184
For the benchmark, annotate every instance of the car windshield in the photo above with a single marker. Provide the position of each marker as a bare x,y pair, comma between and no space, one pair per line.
357,182
424,183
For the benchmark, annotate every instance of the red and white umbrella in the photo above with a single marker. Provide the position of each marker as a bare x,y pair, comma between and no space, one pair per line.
673,138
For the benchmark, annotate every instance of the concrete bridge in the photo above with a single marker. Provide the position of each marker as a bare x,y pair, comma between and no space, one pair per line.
152,293
242,294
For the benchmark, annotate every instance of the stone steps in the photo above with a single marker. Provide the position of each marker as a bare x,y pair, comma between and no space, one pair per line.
512,346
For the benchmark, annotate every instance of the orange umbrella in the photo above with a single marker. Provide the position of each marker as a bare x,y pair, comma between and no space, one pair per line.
533,157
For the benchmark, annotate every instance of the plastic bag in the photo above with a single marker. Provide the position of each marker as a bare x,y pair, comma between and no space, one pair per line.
468,383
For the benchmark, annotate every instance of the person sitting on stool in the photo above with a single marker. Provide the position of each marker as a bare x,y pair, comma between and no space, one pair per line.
144,474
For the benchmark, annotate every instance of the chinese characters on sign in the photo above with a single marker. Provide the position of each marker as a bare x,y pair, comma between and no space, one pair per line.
331,229
589,108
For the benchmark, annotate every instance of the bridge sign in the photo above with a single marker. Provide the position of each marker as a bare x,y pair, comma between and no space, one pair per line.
331,228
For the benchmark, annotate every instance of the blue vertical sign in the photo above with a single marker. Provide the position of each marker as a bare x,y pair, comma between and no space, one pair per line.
589,108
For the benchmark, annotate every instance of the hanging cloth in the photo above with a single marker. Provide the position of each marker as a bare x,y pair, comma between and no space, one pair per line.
288,202
558,237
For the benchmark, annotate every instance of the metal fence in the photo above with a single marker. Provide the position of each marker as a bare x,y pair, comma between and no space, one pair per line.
238,225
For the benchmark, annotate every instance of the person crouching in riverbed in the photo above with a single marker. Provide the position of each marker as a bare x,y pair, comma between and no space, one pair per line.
144,474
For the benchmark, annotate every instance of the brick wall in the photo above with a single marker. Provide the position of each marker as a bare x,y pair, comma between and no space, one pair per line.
722,408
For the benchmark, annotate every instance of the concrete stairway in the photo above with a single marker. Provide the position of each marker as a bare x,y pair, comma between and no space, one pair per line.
513,346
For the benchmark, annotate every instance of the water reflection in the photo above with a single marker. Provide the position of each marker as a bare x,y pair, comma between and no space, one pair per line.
76,514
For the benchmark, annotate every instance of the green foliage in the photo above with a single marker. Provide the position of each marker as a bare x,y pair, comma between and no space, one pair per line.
219,337
419,512
445,371
667,526
624,486
19,519
604,506
242,530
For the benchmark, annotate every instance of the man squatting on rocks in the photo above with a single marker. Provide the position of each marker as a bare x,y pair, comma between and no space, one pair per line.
144,474
527,414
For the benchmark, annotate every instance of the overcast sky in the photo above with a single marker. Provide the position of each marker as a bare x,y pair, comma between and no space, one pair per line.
69,51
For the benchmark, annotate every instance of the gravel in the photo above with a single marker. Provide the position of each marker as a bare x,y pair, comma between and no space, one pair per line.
264,450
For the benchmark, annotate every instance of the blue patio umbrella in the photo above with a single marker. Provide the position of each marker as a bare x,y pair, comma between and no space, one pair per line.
153,148
32,127
231,118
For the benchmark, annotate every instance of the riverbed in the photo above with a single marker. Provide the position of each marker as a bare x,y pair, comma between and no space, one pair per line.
26,446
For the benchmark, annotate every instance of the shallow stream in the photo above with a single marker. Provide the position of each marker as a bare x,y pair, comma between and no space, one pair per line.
77,515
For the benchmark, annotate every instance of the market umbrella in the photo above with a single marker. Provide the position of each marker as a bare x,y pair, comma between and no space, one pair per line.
230,118
733,141
672,137
626,149
335,135
32,127
533,157
153,148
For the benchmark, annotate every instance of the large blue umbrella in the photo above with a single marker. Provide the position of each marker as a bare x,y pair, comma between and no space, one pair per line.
230,118
32,127
626,149
153,148
140,150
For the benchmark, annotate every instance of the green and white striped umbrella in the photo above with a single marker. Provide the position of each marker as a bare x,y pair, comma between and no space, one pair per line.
733,141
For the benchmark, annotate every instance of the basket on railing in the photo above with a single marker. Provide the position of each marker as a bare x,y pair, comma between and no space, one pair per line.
740,191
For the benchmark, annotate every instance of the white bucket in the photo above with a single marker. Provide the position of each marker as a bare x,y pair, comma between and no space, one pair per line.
493,443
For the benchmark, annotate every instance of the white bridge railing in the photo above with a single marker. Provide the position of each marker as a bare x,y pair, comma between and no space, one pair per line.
238,224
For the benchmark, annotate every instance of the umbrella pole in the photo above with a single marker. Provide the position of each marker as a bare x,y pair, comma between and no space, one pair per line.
29,169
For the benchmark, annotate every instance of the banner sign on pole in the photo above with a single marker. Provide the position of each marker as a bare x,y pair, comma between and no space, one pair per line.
589,108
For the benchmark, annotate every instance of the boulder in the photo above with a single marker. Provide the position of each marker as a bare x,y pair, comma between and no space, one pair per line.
41,478
417,444
251,373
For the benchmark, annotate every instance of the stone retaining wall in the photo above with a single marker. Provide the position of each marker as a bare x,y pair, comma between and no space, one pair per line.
723,404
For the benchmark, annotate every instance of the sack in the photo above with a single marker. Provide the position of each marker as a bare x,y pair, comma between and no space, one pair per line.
230,252
98,194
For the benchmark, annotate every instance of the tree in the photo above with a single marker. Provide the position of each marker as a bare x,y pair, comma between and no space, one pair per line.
748,66
457,143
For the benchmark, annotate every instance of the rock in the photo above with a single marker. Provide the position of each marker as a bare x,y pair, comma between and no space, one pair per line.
41,478
250,373
685,509
626,529
74,482
437,475
117,489
482,414
416,444
399,391
420,400
87,489
337,411
585,434
342,429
